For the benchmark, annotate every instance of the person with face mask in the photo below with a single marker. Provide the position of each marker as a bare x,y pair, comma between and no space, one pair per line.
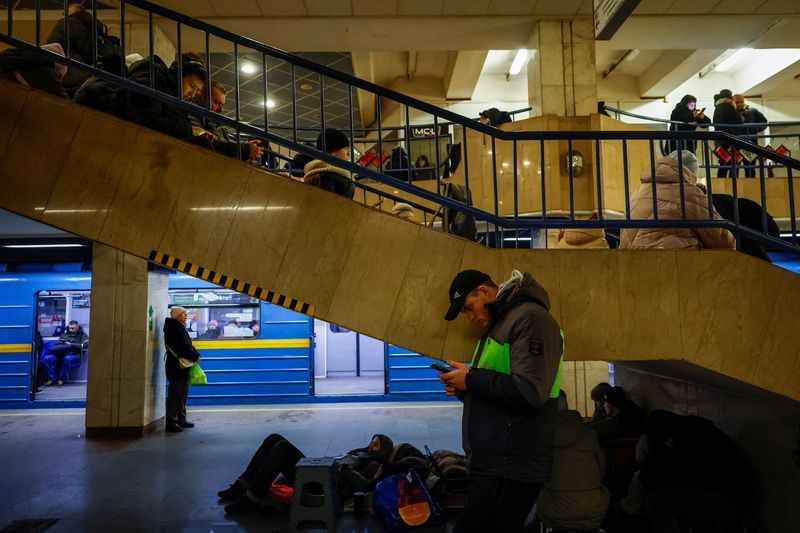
153,113
686,111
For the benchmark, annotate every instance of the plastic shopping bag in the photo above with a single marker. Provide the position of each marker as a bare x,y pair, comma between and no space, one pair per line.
403,502
197,376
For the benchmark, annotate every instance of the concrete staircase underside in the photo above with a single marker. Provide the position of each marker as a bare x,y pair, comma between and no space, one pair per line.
139,191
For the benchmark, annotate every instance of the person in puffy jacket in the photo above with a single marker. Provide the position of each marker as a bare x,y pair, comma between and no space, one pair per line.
582,238
154,114
574,496
178,345
325,176
668,194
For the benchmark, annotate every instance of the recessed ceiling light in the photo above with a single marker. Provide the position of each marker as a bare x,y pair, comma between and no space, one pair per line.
270,104
306,86
248,68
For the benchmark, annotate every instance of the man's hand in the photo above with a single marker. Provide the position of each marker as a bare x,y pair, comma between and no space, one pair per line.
455,381
256,150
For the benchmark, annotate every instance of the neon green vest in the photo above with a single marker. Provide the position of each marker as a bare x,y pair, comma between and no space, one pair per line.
497,357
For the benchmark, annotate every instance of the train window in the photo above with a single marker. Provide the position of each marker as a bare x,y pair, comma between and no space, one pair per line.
52,315
217,314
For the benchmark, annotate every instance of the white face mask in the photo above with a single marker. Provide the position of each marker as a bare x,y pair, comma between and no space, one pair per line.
692,106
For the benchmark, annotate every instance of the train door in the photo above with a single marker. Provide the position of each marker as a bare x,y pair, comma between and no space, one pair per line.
347,363
60,373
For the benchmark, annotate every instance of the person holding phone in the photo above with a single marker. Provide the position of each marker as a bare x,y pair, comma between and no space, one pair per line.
686,112
510,395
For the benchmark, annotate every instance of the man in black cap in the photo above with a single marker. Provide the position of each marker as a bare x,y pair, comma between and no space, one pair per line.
494,117
510,395
326,176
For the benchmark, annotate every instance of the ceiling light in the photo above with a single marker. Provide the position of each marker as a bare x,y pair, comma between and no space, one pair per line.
248,68
306,86
270,103
71,245
515,239
733,59
519,62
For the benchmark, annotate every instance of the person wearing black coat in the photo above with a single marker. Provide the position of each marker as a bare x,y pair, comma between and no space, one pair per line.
750,216
725,113
694,475
101,94
154,114
686,111
751,115
178,345
325,176
78,25
34,70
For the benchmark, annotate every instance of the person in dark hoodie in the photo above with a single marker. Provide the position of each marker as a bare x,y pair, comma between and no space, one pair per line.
179,346
494,117
101,94
320,174
510,396
358,471
686,111
726,119
159,116
751,215
693,475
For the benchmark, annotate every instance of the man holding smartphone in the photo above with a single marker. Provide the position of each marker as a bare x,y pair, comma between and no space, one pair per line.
510,396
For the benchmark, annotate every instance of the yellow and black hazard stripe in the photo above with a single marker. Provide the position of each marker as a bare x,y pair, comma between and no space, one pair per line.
218,278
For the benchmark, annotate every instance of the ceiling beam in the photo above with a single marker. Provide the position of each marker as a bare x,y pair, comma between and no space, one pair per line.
673,68
463,70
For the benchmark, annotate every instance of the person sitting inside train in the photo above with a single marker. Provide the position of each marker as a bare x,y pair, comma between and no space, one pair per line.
213,331
358,470
255,327
66,352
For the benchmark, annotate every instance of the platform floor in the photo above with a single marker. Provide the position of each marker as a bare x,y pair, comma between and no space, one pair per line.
169,482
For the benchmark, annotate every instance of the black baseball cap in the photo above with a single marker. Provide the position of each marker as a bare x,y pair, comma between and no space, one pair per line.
464,282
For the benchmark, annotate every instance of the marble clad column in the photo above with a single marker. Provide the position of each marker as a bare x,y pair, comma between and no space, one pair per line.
126,383
562,78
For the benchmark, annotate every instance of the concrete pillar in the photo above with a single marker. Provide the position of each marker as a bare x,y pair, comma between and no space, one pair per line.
562,78
126,382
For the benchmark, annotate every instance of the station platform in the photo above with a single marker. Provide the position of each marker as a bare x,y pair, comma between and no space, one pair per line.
169,482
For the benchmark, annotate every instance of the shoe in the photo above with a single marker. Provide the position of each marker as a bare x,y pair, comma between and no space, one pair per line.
185,424
48,383
236,490
173,428
241,506
60,383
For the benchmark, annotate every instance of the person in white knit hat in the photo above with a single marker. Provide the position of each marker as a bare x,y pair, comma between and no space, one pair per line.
178,346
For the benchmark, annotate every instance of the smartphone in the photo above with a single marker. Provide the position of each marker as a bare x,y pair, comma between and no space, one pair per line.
441,368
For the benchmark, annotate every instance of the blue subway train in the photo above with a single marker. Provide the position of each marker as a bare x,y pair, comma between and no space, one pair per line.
253,351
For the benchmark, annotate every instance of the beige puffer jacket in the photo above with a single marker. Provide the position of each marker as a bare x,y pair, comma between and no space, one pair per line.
582,239
668,194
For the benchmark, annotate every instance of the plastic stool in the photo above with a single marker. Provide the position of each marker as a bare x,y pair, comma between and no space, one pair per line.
309,505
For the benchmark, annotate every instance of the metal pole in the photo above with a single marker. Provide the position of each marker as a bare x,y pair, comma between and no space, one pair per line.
152,53
541,171
626,179
571,180
653,179
599,179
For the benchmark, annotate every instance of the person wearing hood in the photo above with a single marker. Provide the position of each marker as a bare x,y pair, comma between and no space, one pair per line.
668,194
178,345
326,176
582,238
510,395
574,497
159,116
726,119
597,395
686,112
358,470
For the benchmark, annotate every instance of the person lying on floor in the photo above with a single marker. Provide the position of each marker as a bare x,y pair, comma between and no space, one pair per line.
358,470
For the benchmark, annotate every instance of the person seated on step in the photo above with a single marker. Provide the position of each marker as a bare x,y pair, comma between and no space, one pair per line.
326,176
358,470
66,353
624,418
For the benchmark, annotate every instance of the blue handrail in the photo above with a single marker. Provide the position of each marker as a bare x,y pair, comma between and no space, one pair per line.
440,116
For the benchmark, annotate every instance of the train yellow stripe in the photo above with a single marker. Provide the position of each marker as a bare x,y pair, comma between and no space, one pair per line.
249,344
13,348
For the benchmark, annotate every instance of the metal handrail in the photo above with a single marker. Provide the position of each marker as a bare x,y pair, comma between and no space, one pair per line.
700,125
507,223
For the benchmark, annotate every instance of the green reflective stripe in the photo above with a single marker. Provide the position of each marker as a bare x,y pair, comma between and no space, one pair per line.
556,388
494,356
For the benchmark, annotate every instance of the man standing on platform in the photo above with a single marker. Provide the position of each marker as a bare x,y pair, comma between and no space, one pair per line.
510,396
